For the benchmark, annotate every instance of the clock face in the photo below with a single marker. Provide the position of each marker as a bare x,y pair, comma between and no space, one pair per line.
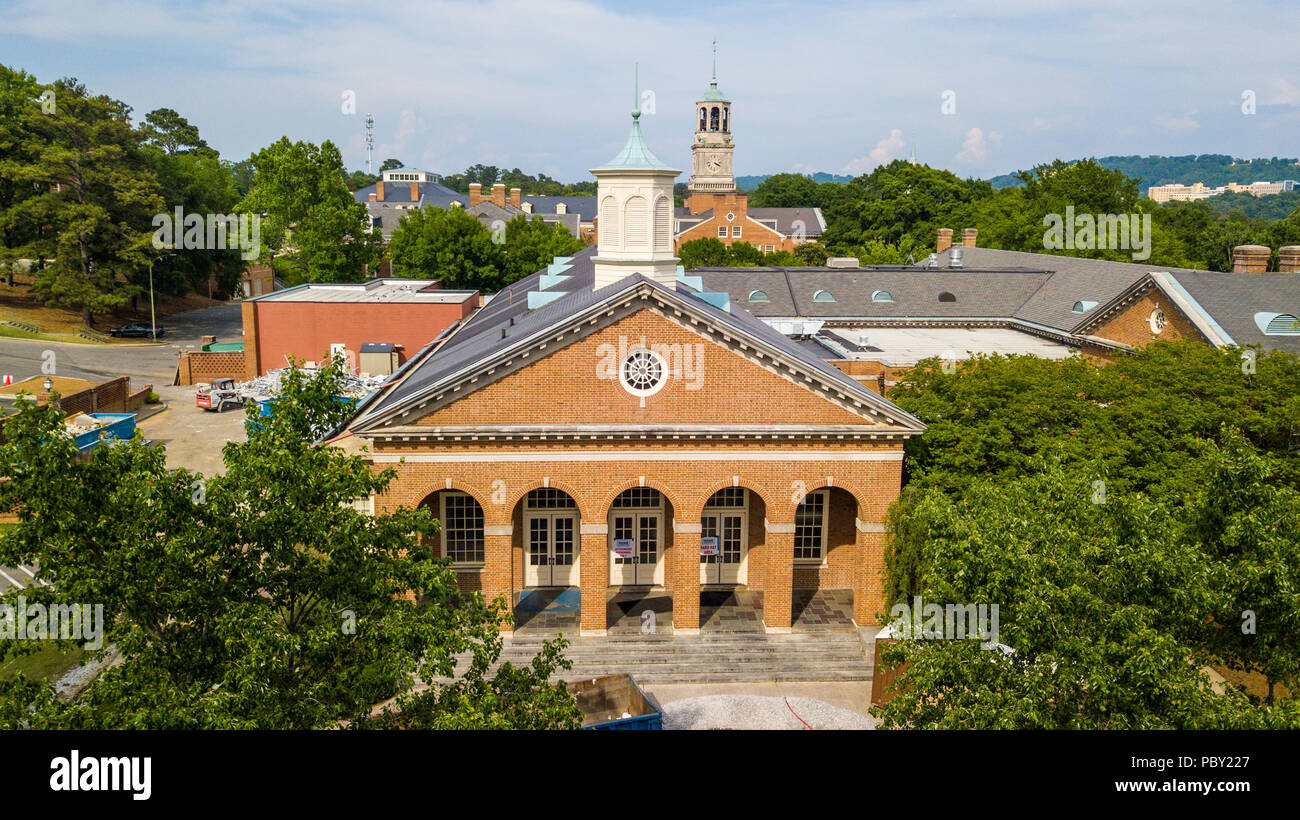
713,165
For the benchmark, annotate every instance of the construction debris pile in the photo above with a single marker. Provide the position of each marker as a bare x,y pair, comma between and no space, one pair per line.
268,386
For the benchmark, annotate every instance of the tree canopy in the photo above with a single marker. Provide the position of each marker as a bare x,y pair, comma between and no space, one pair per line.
260,598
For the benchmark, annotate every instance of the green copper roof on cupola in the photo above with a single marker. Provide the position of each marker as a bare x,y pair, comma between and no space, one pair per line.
713,94
636,154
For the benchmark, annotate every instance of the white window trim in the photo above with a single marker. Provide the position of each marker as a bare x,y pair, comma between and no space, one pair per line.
442,533
722,231
821,559
735,231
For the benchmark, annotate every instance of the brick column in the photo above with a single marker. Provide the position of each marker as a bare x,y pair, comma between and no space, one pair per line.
778,586
685,569
593,577
498,569
868,573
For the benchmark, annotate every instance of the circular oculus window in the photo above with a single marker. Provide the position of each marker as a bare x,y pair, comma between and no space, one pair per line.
643,372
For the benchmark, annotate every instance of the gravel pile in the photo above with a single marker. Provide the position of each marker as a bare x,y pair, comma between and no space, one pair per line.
758,712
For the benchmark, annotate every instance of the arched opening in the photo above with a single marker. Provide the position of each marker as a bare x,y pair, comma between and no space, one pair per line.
461,531
947,297
726,119
825,535
727,532
640,521
549,529
704,119
713,119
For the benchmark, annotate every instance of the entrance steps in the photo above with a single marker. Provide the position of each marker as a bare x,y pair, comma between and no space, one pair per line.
708,658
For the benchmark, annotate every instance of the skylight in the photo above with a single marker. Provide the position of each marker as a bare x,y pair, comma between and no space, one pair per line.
758,296
823,296
882,296
1083,307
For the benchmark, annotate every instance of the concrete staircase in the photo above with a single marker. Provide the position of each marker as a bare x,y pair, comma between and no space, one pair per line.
710,658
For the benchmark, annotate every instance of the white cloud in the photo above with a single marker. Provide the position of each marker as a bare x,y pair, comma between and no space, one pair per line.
1283,92
976,147
1182,125
888,149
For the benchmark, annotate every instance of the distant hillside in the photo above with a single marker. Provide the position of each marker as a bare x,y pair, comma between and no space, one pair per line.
1212,169
751,182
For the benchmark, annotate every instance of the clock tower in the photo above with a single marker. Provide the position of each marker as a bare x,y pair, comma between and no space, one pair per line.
711,171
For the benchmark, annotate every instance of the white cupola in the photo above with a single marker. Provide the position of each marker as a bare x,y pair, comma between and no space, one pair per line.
634,220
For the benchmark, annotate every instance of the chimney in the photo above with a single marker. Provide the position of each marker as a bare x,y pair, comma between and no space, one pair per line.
968,236
373,198
516,198
1288,259
955,258
379,190
475,194
945,240
1250,259
526,207
499,194
415,192
561,207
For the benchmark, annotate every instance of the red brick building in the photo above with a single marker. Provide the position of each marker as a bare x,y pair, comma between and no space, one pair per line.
612,427
311,321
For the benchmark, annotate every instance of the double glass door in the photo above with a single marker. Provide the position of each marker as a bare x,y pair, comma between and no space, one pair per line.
722,548
551,555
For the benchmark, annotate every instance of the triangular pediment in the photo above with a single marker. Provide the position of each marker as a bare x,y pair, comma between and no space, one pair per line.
700,372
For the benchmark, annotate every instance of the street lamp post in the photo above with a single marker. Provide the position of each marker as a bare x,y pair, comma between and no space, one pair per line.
153,320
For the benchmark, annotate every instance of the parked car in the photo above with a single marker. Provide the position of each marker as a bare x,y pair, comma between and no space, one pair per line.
139,330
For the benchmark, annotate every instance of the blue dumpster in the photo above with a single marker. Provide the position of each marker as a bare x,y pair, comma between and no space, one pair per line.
616,702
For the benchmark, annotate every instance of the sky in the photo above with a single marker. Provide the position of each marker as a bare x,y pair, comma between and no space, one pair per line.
547,86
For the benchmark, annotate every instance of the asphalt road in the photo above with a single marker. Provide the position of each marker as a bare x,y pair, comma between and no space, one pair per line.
145,362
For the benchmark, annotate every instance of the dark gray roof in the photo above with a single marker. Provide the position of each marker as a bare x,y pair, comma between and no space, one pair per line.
431,193
508,310
1233,299
979,294
583,206
789,220
1074,279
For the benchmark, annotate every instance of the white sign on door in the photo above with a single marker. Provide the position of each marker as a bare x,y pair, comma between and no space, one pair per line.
709,545
623,547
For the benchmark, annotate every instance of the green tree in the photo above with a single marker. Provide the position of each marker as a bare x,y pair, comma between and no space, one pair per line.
531,244
256,599
743,254
390,164
190,176
449,245
702,253
1249,530
786,191
86,177
1096,600
309,215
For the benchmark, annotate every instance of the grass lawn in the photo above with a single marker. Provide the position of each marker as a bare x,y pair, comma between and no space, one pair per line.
19,333
48,663
19,303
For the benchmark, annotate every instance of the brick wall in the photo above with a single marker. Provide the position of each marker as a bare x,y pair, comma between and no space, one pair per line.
193,367
569,389
306,330
1131,325
755,233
